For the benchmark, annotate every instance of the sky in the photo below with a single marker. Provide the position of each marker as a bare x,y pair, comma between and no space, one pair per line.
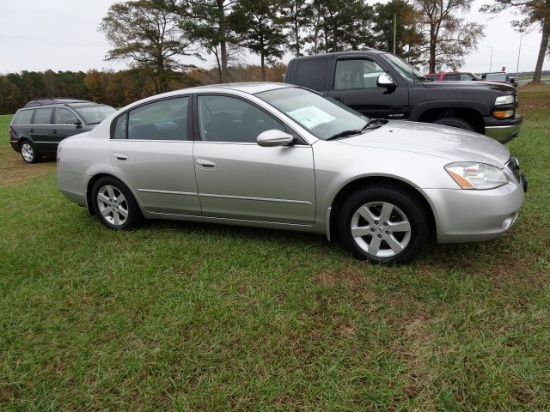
62,35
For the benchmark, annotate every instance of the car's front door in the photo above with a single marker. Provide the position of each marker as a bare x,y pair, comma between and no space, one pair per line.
64,124
354,84
237,178
151,153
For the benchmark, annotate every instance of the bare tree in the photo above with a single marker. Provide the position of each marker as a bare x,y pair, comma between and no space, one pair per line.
536,13
450,38
147,33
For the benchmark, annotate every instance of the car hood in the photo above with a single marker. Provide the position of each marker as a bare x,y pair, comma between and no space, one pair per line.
433,140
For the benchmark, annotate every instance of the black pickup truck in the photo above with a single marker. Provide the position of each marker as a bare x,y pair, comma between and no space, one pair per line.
380,84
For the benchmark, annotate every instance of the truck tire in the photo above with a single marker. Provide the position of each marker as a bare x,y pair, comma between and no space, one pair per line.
455,122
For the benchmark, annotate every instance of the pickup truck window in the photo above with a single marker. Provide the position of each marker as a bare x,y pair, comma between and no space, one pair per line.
312,73
356,74
407,71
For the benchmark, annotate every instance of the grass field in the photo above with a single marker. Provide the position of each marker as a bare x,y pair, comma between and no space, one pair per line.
179,316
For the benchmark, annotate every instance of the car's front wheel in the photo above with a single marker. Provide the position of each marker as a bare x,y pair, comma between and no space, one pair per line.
115,205
384,225
28,152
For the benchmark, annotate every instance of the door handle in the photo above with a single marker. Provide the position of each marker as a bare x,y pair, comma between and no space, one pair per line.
207,164
340,99
120,156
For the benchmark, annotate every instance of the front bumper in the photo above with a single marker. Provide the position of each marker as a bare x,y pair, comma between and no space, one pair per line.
503,133
476,215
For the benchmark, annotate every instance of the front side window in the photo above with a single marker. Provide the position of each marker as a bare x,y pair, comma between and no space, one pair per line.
228,119
43,116
407,71
95,114
162,120
356,74
64,116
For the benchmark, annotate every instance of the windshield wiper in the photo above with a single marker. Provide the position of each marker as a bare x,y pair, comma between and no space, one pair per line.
378,122
372,123
345,133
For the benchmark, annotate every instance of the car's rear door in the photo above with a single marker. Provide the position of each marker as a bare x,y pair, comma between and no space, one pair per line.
150,151
237,178
41,131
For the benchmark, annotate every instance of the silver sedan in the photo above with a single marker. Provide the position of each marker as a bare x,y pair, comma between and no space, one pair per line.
278,156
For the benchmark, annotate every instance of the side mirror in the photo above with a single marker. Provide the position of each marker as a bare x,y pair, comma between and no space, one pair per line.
78,125
385,80
274,138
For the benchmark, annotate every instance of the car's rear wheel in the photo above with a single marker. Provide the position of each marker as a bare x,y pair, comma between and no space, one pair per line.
115,205
455,122
384,225
28,152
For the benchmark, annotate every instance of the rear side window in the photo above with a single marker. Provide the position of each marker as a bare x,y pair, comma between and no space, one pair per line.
162,120
43,116
23,117
312,73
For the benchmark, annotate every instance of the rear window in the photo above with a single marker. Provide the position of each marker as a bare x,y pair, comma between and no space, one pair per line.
311,73
23,117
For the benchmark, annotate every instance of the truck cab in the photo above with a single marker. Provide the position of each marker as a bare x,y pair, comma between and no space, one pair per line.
380,84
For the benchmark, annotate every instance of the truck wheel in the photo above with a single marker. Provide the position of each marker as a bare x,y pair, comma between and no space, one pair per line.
383,224
28,152
455,122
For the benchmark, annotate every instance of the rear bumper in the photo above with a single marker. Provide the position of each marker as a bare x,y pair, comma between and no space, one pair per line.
503,133
15,145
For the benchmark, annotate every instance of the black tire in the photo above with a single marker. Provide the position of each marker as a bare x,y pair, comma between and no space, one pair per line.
115,205
455,122
383,224
28,152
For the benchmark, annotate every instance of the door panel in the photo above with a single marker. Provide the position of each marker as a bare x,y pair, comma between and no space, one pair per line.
237,178
150,152
161,173
248,182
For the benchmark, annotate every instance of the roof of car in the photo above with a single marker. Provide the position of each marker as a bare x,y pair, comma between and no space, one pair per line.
245,87
55,100
365,50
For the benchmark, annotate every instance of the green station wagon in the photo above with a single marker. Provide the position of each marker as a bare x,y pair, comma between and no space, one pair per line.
37,129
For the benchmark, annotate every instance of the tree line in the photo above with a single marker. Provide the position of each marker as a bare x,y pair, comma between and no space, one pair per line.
115,88
155,37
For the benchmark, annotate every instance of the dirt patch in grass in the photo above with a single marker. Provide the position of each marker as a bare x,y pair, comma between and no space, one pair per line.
534,97
13,170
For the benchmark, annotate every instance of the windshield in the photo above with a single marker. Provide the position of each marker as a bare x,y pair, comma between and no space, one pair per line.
322,117
404,68
94,114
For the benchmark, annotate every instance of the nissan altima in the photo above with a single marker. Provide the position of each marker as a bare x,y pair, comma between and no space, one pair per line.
279,156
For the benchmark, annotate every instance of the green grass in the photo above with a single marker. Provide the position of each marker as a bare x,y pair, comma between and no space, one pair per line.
189,317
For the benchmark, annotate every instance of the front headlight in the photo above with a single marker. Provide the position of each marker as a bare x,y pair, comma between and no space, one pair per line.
502,100
473,175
